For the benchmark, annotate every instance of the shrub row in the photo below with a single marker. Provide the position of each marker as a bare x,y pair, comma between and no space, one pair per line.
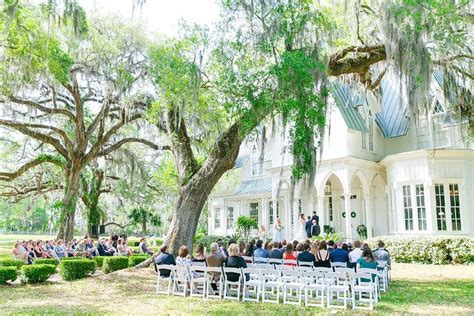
38,273
8,274
134,260
428,249
111,264
46,261
12,263
77,269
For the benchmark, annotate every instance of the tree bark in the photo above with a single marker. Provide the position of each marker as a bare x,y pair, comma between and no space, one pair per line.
144,228
69,202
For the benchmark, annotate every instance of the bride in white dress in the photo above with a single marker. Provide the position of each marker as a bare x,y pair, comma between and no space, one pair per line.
301,234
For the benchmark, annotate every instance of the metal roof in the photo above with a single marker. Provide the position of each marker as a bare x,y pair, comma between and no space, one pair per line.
254,186
392,121
244,155
347,101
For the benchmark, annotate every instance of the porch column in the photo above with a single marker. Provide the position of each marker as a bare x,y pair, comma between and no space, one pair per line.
224,218
347,208
321,212
368,203
430,207
287,220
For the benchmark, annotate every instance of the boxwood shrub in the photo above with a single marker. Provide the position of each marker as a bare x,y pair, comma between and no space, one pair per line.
112,264
99,260
73,258
12,263
8,274
37,273
134,260
46,261
77,269
428,249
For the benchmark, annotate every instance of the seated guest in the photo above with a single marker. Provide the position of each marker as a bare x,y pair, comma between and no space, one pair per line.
82,249
313,248
235,261
283,245
276,253
242,248
355,254
183,260
289,254
164,258
200,256
250,248
295,244
49,245
322,256
74,243
92,248
339,254
381,254
367,261
345,247
143,247
305,255
330,245
46,248
69,250
123,249
259,252
215,259
39,252
59,249
19,252
102,249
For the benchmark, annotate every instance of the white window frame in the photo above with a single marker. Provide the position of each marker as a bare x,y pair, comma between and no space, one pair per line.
257,166
448,207
258,211
217,218
230,217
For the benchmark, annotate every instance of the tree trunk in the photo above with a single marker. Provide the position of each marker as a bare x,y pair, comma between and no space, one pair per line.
144,228
69,203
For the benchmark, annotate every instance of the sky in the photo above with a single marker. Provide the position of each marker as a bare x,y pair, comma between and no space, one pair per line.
159,15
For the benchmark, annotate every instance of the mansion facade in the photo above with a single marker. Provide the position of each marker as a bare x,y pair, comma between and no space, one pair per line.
376,168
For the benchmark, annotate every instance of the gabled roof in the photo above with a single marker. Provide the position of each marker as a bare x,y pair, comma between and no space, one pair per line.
347,102
392,121
254,186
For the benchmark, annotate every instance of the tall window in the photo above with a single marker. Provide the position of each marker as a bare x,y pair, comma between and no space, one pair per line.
422,134
407,207
440,207
230,217
371,132
330,209
257,164
420,206
217,218
364,140
270,213
455,208
254,211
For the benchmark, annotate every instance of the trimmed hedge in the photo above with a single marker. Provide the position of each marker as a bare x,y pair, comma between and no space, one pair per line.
8,274
73,258
134,260
38,273
112,264
428,249
133,242
77,269
99,260
12,263
46,261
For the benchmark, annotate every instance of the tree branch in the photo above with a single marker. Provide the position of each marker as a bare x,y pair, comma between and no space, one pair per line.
366,56
120,143
42,108
9,176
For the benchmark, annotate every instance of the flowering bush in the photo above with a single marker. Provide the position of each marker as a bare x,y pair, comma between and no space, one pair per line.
428,249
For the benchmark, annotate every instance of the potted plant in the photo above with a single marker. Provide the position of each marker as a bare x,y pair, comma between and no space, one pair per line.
362,231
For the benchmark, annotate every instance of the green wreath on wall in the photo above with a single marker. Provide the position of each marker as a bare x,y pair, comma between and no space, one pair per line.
353,214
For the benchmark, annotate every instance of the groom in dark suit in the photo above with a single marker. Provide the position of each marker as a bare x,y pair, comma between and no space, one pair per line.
315,217
307,226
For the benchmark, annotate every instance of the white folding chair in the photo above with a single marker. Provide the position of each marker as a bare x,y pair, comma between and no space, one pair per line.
361,283
252,265
292,287
248,259
230,285
344,270
304,268
290,262
338,265
265,266
275,261
198,281
164,269
337,284
214,276
271,285
305,263
282,267
181,280
252,286
375,279
314,288
383,272
198,263
323,269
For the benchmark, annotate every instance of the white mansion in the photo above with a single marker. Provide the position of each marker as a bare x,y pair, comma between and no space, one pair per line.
377,168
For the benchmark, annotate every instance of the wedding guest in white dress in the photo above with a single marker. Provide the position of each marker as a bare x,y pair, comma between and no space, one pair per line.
262,233
278,231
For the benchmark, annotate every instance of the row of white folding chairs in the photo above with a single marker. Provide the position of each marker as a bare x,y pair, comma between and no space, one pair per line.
270,284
